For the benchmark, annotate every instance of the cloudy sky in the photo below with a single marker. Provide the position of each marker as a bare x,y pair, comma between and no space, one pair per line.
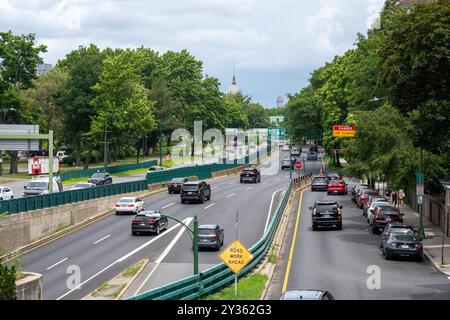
275,44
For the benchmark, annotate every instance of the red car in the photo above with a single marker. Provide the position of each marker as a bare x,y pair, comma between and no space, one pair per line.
383,216
364,197
337,187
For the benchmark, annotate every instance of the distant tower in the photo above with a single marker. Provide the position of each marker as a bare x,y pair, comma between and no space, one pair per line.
280,102
234,89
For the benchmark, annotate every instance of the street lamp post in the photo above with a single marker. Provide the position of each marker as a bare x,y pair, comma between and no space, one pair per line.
194,236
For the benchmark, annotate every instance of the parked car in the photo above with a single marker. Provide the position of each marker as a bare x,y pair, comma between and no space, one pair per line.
251,175
287,164
312,155
82,185
285,148
307,295
337,187
176,184
326,214
364,196
314,148
100,178
198,191
398,244
210,236
319,183
369,202
129,205
355,191
40,185
6,193
296,152
149,222
400,228
373,207
383,216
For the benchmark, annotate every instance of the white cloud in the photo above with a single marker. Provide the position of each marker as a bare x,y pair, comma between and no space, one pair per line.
281,40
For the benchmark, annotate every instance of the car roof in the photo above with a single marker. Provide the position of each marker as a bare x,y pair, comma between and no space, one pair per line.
127,198
194,183
149,213
321,177
249,168
208,226
303,295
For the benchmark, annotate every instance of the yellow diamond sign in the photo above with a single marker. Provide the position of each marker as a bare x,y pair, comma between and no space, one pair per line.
236,256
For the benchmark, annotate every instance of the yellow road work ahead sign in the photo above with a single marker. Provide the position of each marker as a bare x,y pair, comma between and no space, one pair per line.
236,256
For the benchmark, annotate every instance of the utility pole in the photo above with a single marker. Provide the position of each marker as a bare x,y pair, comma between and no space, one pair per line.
421,229
105,147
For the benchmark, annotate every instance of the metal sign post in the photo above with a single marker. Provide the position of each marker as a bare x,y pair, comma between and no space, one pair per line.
237,237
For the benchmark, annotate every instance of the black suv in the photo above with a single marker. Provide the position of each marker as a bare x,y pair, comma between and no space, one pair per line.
210,236
198,191
319,183
326,214
250,174
148,221
100,178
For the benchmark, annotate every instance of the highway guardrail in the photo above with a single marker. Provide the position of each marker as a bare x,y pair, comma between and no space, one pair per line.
220,276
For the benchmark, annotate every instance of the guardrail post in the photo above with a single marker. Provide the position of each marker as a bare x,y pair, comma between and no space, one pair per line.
195,245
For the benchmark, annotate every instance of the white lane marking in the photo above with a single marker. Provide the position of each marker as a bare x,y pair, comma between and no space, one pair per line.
57,263
231,195
270,208
102,239
249,188
448,278
170,204
232,182
206,208
264,183
164,254
123,258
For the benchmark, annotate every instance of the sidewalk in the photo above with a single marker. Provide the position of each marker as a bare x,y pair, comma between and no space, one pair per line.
432,243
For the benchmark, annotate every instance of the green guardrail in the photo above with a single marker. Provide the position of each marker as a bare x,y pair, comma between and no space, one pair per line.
73,174
13,206
220,276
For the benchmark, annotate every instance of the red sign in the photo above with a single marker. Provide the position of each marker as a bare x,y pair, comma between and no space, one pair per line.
298,165
343,128
344,131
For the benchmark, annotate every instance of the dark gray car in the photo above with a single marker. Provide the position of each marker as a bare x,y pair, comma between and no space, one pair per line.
198,191
312,155
403,245
210,236
319,184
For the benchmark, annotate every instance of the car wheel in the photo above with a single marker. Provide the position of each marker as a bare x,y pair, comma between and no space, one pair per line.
387,256
314,227
12,197
202,199
183,201
134,233
339,227
419,258
158,230
117,213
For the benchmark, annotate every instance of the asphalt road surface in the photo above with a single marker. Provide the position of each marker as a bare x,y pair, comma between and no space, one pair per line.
103,249
342,261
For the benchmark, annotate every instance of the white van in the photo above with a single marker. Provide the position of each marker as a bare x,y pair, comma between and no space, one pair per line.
39,185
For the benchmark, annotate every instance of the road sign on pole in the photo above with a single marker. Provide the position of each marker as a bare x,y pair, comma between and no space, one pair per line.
344,131
298,165
236,256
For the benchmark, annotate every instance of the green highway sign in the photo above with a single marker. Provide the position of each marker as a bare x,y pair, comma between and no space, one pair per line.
280,131
420,178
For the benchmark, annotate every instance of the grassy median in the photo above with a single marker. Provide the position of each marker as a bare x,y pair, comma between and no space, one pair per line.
249,288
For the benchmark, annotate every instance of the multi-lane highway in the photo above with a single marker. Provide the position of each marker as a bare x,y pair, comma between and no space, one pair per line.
103,249
348,262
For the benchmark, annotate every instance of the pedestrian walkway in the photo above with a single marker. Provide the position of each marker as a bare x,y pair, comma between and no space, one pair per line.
432,243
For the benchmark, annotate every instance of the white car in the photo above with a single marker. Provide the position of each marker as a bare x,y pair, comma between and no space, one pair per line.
82,185
371,210
6,193
285,148
129,205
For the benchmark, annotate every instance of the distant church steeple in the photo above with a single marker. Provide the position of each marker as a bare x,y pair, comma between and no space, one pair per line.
234,89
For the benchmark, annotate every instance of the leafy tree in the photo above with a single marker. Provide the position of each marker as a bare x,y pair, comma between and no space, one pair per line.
44,100
19,56
122,104
257,115
7,283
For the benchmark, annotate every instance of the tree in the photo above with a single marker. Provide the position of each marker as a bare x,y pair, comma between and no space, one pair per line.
7,283
257,115
44,100
83,67
122,104
18,59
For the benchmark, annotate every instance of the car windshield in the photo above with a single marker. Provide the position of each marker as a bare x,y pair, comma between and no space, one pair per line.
405,237
248,170
206,231
126,200
327,208
388,214
37,185
336,183
402,229
98,175
178,180
320,179
190,187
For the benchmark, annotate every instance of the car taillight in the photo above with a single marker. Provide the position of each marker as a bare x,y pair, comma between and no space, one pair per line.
134,222
117,205
131,205
170,184
151,222
419,245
